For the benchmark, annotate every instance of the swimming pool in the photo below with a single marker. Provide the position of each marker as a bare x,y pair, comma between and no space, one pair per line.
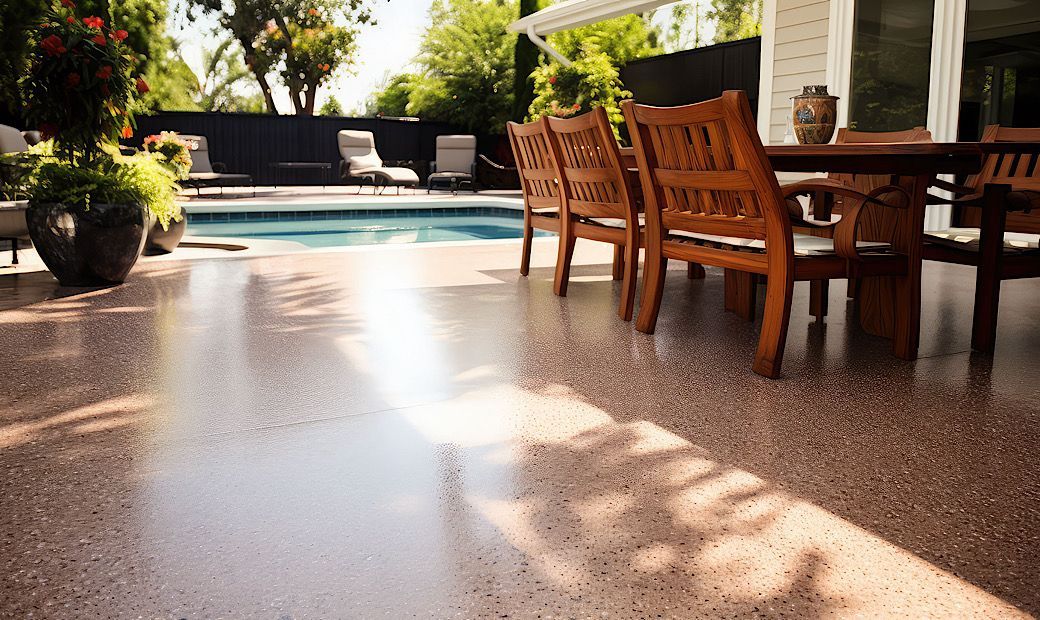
329,228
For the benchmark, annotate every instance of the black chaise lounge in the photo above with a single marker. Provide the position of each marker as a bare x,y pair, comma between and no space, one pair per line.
206,174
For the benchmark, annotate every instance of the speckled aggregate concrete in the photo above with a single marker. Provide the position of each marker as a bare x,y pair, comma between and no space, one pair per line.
421,432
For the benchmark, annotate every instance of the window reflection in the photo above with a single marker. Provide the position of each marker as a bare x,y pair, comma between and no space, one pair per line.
891,54
1001,80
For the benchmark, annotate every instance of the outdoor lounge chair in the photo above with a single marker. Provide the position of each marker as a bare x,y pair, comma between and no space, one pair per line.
361,162
13,227
999,227
204,173
456,164
712,197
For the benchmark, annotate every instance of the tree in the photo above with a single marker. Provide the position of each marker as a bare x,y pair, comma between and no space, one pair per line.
466,62
592,80
222,87
525,60
392,99
622,39
736,19
331,107
17,19
305,40
678,37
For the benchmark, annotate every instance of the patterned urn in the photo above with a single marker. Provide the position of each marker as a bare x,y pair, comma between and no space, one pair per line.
814,115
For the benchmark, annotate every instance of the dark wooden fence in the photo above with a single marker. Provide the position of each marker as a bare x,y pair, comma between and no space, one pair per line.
696,75
248,143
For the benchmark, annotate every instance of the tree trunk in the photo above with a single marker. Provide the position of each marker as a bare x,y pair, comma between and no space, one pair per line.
312,96
261,78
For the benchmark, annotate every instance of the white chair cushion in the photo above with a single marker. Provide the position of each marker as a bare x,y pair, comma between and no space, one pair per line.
456,153
804,245
361,162
968,239
12,141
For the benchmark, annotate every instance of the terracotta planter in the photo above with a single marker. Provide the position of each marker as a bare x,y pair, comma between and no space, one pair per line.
814,115
93,246
165,241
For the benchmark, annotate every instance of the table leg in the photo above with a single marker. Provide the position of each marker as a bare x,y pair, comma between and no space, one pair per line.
819,290
890,306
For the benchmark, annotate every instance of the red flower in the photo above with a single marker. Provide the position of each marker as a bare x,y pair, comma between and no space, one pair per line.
70,19
576,106
104,72
48,130
68,4
142,86
128,132
104,90
120,35
99,39
94,22
72,80
552,79
53,45
312,11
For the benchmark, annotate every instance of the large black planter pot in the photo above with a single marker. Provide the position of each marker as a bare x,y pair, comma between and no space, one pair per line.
165,241
93,246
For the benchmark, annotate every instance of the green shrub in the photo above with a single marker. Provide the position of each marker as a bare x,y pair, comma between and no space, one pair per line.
591,81
113,179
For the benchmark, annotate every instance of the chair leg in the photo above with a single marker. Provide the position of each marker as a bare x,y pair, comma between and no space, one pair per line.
618,267
654,268
525,256
989,272
694,271
819,295
563,261
775,317
628,282
740,290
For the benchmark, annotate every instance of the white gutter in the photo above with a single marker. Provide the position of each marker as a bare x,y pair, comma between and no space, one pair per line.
573,14
548,49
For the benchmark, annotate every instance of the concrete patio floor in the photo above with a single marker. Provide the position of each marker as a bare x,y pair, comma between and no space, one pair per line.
418,431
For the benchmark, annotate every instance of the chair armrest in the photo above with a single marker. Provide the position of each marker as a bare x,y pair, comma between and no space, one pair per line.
846,228
952,187
433,167
219,167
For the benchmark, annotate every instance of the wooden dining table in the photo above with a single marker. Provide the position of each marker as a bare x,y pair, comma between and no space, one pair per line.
912,166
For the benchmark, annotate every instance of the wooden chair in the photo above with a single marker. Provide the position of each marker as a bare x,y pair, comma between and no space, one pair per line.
542,203
999,230
597,197
823,205
713,198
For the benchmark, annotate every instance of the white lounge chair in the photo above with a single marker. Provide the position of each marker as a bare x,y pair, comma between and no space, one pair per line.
456,164
12,213
361,162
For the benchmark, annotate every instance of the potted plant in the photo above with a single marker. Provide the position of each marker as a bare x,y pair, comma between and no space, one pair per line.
175,156
88,206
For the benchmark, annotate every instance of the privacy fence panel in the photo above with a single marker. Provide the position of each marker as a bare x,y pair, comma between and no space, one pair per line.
696,75
249,143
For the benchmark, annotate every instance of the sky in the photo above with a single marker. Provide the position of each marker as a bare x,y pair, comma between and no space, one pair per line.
389,47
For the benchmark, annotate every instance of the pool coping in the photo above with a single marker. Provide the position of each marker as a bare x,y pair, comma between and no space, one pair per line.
377,203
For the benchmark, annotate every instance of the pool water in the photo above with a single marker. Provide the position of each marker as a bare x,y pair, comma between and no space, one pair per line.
344,228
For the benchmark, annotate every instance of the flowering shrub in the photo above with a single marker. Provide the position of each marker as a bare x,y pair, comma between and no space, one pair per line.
174,151
80,87
591,81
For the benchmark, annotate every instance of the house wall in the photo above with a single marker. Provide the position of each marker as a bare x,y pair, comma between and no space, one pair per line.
798,57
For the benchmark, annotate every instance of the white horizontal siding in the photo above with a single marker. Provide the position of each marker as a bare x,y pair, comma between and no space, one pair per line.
799,56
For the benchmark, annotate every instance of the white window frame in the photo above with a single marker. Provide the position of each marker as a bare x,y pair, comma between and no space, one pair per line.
944,76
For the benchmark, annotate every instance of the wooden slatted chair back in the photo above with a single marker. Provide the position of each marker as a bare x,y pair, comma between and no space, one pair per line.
1020,170
593,180
534,164
708,170
867,182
